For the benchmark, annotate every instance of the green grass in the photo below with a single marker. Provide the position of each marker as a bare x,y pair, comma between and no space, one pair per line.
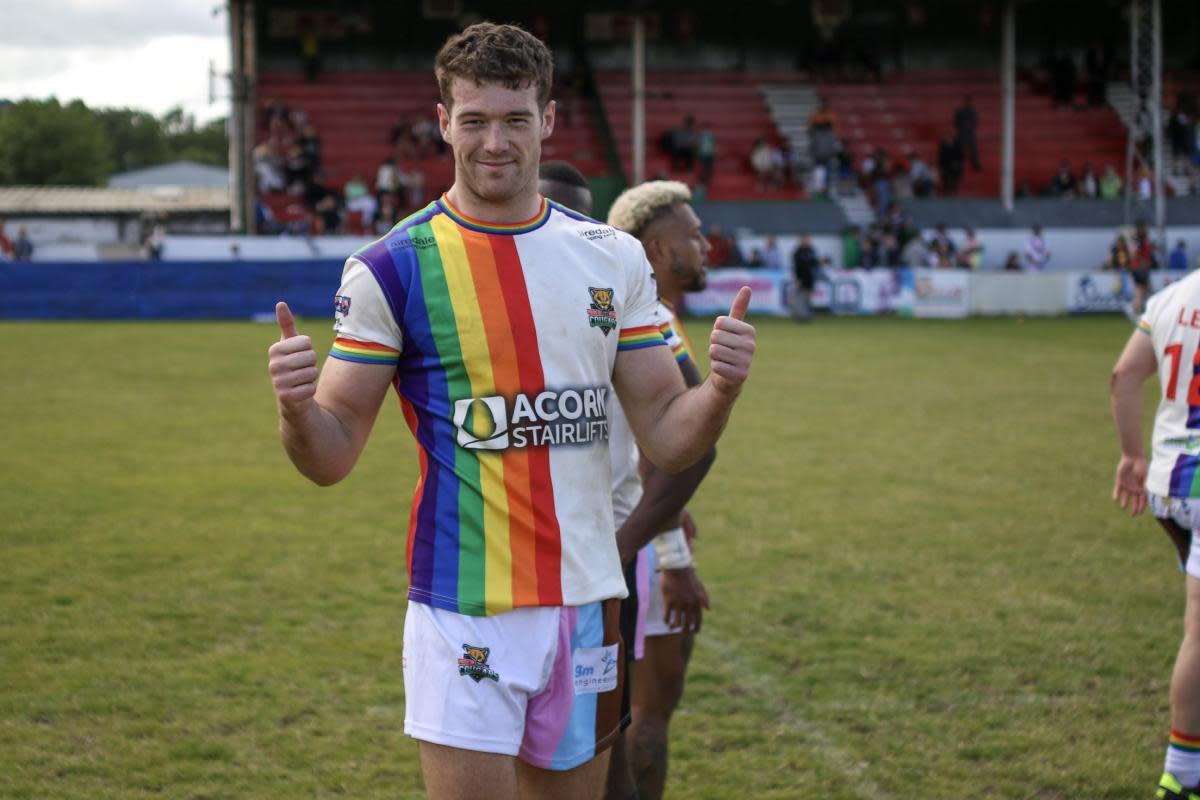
919,584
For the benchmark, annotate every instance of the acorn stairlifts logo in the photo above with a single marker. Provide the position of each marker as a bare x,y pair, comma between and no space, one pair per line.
569,416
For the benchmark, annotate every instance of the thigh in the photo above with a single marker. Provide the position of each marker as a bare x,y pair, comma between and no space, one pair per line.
585,782
452,773
658,677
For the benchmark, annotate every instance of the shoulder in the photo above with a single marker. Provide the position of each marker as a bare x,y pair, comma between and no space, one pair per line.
575,226
406,235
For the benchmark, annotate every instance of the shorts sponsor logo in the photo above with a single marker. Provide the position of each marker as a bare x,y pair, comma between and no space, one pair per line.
595,669
601,313
473,663
567,416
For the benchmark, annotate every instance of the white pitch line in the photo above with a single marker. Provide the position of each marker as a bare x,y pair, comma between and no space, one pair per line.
819,741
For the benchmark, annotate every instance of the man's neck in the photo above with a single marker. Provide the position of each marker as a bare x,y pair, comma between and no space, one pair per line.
518,209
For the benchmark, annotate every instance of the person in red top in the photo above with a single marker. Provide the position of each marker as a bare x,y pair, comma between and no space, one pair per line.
6,247
1141,261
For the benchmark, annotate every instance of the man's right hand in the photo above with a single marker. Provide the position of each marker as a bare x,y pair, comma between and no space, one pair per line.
292,364
684,598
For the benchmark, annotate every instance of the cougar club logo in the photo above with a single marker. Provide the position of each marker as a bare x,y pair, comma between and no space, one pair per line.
568,416
601,313
474,664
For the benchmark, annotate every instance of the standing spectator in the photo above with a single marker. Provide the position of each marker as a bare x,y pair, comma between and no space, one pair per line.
1118,254
1180,132
706,153
950,163
1110,184
1178,262
970,255
1037,254
387,178
822,134
360,201
155,240
22,248
6,246
921,175
881,185
804,269
683,146
966,120
765,165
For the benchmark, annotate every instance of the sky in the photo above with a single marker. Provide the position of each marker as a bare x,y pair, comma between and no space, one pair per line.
150,55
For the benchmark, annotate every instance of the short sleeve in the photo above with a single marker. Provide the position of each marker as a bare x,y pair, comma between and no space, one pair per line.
643,319
367,331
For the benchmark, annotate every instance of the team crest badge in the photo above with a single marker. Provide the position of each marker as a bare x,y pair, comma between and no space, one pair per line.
601,313
474,664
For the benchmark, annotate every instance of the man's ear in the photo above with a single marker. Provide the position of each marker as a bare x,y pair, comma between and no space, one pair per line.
443,115
548,119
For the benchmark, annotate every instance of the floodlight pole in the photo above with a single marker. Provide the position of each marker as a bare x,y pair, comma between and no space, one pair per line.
1145,77
639,100
1008,83
233,128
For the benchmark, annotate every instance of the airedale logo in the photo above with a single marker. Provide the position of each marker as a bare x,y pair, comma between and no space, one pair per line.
474,664
601,313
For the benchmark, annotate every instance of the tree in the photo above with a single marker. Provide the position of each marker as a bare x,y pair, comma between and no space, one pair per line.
45,143
208,144
136,137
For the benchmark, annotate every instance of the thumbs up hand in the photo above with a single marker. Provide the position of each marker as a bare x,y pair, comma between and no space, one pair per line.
731,346
292,363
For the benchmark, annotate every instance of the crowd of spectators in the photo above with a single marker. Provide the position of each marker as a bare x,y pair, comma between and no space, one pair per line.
19,249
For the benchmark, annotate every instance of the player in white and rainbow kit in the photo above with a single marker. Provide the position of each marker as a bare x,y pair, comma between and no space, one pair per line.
1167,341
501,322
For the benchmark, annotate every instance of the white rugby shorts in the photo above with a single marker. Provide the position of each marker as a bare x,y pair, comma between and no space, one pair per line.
1186,512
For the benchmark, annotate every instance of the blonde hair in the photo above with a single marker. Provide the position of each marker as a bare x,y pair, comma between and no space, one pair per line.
637,207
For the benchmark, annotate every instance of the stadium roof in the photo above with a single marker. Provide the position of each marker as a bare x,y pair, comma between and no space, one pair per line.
35,200
176,173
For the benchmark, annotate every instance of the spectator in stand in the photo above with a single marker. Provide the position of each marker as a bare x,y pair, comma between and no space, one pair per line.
881,185
1118,255
427,137
822,134
1178,261
268,168
22,248
921,176
1063,184
941,237
791,167
6,245
1037,254
756,259
765,163
154,240
1089,184
683,146
388,214
868,248
818,181
1181,132
1142,259
970,255
851,246
402,138
966,120
387,178
310,145
1110,184
297,171
277,110
940,256
412,181
804,270
706,153
950,163
360,200
719,247
1013,262
772,258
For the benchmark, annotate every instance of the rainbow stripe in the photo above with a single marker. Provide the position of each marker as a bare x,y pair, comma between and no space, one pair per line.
1183,741
483,533
1143,325
1183,476
363,352
637,338
684,350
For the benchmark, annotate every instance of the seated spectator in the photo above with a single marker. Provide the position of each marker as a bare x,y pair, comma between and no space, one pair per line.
22,248
756,259
1013,262
360,200
822,134
942,238
706,153
683,146
411,179
310,145
950,163
1089,184
276,110
939,256
1110,184
297,171
1063,184
970,255
428,137
387,178
818,181
764,162
921,175
268,168
388,214
1178,262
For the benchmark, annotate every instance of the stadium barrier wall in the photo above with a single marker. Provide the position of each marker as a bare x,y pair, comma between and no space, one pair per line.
250,289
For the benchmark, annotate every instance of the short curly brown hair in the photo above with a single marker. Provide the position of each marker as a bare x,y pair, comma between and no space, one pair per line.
490,53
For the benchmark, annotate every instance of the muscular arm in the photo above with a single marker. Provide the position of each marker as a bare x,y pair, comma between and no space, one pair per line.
675,426
1136,364
663,494
323,425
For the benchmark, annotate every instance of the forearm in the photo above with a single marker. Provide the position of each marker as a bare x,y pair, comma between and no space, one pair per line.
689,427
663,497
317,442
1125,394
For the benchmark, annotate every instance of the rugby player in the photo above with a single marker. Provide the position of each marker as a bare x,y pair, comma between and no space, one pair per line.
501,321
1165,342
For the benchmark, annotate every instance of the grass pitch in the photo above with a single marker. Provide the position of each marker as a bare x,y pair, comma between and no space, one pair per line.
920,587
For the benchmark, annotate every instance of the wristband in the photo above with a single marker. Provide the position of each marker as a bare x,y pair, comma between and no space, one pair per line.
671,549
